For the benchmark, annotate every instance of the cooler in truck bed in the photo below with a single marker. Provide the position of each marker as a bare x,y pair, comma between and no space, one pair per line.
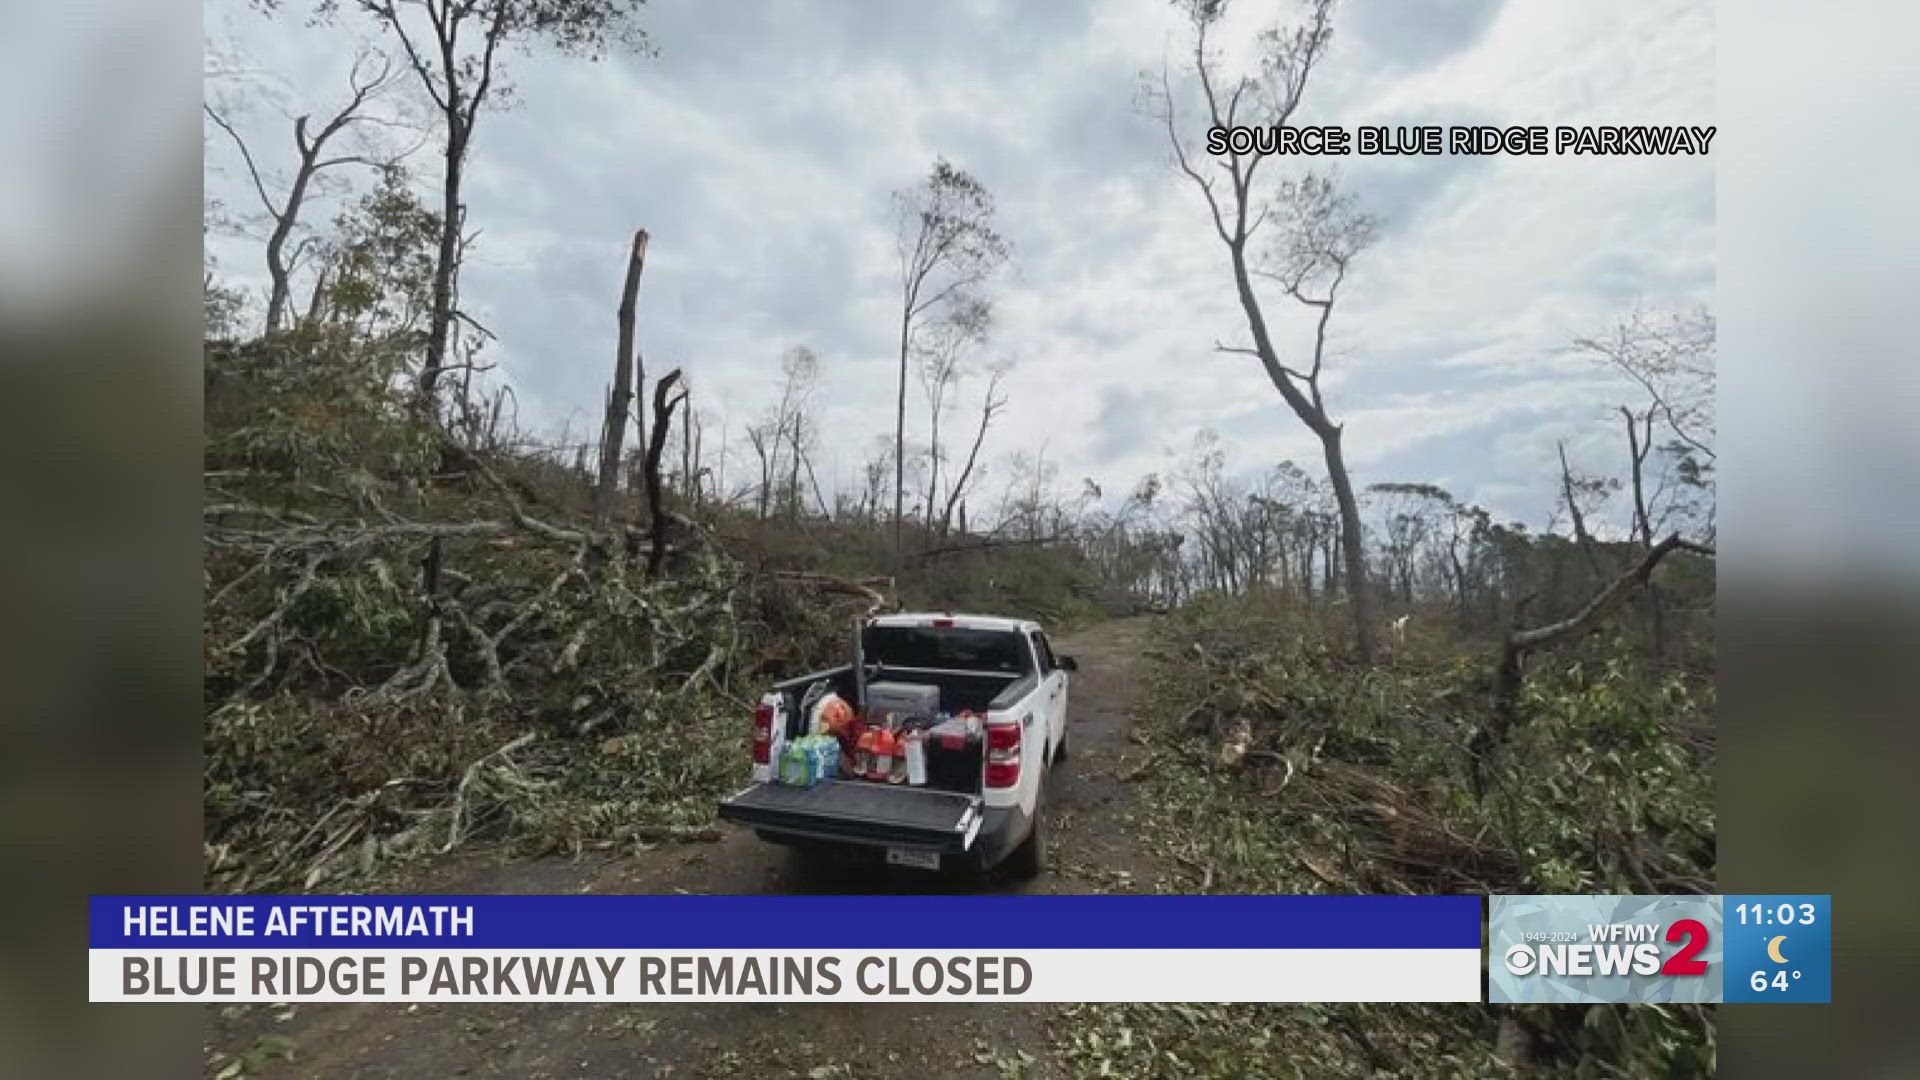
861,812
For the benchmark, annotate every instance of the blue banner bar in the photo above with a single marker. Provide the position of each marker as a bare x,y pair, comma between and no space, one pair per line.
785,922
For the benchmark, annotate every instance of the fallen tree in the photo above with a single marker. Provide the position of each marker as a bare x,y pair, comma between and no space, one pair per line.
1518,644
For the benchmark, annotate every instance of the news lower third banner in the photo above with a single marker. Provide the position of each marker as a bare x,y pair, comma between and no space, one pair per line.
785,948
1548,949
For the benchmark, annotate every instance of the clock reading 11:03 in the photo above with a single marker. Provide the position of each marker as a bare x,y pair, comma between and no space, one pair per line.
1778,948
1760,914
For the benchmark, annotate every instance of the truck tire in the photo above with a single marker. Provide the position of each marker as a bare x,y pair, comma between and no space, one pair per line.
1025,862
1060,753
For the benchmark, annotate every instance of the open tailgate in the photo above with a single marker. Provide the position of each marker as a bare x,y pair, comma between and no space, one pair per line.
861,812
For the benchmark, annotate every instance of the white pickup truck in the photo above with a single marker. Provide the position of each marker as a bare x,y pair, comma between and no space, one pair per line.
981,810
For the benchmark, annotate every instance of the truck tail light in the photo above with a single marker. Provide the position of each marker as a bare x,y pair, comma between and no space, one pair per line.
762,734
1003,754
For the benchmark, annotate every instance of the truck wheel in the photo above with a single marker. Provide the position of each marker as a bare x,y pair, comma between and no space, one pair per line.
1025,862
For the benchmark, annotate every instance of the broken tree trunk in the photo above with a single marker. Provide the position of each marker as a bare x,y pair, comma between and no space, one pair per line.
664,401
620,399
1580,533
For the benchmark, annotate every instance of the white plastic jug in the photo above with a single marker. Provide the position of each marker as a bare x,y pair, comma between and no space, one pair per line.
916,759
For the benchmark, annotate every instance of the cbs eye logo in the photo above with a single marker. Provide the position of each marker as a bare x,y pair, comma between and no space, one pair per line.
1520,960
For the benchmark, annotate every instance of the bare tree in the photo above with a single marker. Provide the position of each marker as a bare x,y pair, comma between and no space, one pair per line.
1413,515
693,469
625,384
990,404
874,474
947,248
1027,509
453,48
1320,233
1639,445
783,438
1672,356
1580,495
372,74
763,437
799,377
940,370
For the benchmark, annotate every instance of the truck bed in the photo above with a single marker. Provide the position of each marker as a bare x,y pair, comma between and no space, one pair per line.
979,691
859,811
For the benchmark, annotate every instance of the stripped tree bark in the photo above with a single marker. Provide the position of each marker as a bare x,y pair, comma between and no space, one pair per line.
626,382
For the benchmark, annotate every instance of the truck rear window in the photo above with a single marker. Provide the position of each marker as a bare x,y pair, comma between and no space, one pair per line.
948,647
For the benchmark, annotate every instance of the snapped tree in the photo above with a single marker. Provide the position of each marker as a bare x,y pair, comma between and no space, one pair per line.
626,383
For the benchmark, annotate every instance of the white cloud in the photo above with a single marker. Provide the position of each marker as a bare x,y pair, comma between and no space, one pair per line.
759,150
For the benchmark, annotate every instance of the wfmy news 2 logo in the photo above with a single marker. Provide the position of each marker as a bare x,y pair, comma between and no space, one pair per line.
1658,949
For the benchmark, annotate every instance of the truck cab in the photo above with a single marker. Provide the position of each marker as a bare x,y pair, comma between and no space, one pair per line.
980,807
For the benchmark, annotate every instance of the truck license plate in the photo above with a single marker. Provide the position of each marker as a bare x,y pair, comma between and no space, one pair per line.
918,858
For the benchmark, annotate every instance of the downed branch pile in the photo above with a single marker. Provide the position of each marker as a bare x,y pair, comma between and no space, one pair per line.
1305,772
1278,765
402,657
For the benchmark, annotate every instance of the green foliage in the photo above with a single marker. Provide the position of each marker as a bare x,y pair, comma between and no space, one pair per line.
1355,778
1308,1040
223,306
311,403
546,694
1051,584
383,265
358,618
1608,786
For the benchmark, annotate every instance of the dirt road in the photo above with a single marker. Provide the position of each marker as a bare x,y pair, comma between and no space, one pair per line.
1090,849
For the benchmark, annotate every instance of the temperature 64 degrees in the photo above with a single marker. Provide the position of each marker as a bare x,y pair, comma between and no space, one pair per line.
1781,980
1779,948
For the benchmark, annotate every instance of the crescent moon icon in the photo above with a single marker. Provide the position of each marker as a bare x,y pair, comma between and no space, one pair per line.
1773,949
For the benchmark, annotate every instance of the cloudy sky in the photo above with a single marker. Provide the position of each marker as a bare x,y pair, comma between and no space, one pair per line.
760,144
